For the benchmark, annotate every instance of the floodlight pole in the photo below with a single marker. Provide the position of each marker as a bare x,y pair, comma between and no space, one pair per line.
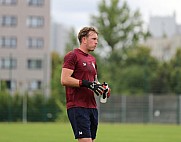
24,95
0,82
24,107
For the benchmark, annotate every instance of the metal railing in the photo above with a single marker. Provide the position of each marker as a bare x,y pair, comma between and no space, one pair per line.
141,109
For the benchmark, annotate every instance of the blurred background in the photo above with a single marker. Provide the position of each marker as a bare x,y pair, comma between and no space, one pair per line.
139,55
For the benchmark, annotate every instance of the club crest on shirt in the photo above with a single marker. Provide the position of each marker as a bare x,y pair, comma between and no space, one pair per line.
93,65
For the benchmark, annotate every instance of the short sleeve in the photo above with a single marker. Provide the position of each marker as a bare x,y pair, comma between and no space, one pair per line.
70,61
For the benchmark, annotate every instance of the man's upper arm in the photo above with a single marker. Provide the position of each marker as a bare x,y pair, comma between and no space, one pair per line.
68,69
65,75
67,79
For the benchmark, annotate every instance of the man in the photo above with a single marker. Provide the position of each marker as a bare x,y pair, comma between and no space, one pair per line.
79,73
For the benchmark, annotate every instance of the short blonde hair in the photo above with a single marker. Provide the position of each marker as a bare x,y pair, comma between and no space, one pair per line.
85,31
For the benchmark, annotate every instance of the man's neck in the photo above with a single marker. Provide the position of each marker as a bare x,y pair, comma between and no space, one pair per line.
83,49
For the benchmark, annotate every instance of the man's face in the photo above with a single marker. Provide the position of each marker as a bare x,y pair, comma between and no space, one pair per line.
91,41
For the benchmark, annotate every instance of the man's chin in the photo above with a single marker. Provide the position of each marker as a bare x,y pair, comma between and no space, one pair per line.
90,50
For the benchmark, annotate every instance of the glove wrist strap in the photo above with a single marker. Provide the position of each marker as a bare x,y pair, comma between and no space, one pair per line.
80,83
84,83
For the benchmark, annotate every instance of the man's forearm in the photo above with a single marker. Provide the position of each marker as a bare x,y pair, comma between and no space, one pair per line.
70,81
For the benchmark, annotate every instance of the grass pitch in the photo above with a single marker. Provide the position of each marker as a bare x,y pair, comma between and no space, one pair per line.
62,132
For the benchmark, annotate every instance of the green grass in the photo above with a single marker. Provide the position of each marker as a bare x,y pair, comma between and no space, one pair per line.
62,132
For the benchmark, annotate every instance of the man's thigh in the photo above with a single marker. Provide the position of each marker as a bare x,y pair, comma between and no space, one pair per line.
84,122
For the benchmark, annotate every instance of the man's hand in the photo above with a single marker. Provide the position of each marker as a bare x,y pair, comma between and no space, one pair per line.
97,88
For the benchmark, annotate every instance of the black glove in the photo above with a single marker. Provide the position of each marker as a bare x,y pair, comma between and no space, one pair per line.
97,88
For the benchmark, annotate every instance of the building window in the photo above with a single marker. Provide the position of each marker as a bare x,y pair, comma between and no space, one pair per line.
8,42
35,43
35,21
8,63
9,84
35,85
36,2
34,64
8,2
9,21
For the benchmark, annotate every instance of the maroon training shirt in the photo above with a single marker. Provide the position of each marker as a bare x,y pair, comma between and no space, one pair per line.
84,67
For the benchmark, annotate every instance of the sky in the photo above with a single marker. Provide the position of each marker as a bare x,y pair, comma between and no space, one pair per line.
76,13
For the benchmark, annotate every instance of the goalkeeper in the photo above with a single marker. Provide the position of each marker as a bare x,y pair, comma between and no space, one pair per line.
79,72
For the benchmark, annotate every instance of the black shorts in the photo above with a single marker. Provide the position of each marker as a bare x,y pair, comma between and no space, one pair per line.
84,122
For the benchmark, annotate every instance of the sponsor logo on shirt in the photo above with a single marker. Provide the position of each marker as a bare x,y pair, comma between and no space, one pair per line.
84,64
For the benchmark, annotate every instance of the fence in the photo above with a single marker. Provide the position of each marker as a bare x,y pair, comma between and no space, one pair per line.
118,109
141,109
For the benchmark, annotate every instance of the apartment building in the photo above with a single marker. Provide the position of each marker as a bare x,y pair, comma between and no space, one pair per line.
164,48
166,36
25,45
59,37
163,26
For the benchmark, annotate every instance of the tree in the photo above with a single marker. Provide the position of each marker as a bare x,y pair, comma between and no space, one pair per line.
160,83
130,73
133,72
118,26
57,89
72,42
126,67
176,72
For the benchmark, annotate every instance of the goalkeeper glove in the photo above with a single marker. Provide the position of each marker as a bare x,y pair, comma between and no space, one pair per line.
95,87
107,90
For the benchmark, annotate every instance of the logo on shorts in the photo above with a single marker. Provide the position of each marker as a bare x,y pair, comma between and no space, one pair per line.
80,132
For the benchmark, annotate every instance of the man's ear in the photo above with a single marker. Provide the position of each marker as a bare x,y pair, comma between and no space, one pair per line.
84,40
